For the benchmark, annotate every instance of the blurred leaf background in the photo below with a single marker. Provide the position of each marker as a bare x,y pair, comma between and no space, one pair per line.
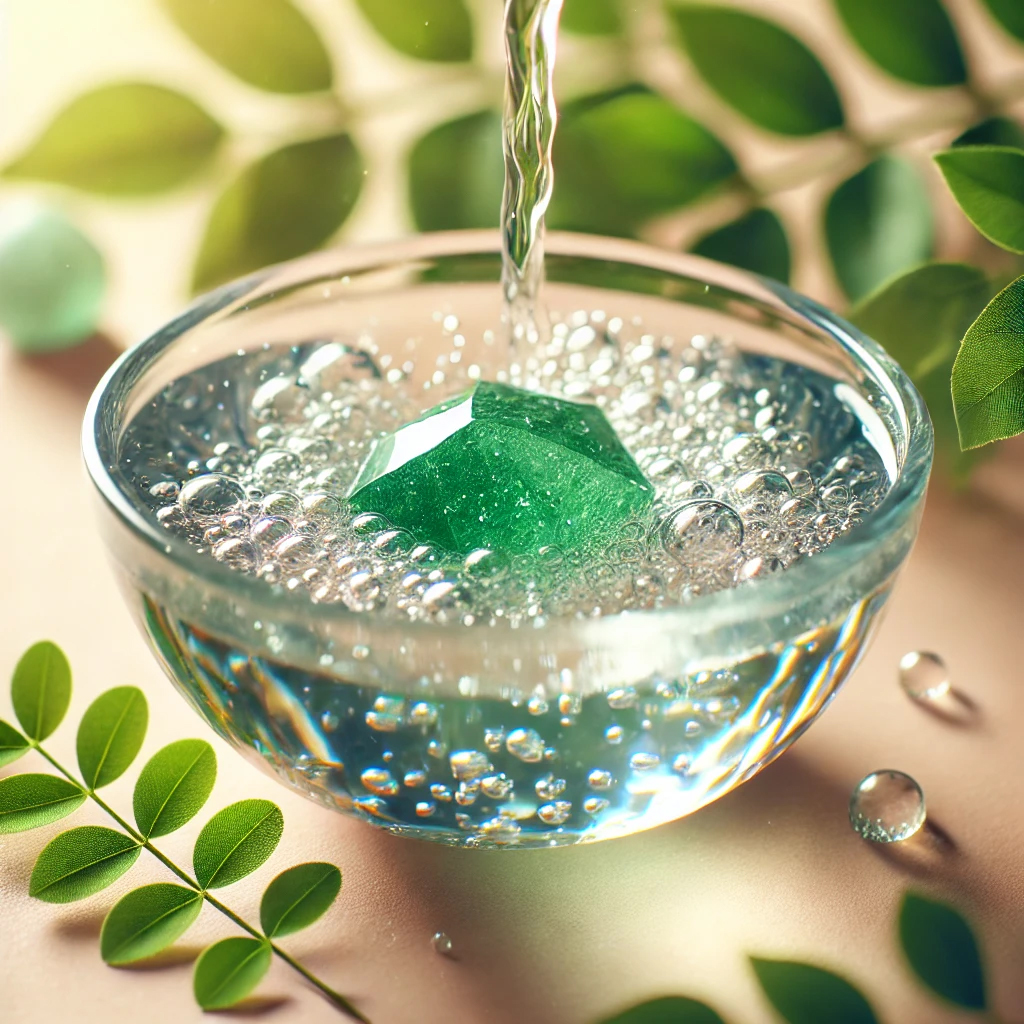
194,140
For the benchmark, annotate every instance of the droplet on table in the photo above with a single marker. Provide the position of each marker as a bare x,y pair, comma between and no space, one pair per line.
924,676
442,944
887,807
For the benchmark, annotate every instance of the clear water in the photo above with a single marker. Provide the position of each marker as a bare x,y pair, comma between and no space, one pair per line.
757,463
531,34
887,807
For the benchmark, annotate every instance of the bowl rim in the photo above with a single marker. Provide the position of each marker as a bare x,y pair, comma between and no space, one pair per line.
733,604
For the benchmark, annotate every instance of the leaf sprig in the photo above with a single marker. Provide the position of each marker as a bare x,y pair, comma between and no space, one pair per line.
171,790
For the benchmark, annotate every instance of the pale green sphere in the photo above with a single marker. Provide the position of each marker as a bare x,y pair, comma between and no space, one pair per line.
52,279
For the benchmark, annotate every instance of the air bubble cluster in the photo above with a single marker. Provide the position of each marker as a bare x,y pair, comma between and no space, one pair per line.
757,463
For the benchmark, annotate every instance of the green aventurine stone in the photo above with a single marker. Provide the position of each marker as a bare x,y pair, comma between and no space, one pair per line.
505,469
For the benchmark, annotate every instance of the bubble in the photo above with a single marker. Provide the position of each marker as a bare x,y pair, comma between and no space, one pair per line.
379,781
887,807
625,697
210,495
279,396
423,713
613,734
570,704
502,831
469,764
537,706
442,944
270,530
494,739
644,762
595,804
497,787
548,787
415,779
440,792
329,721
924,676
555,813
525,744
702,533
425,808
600,779
237,554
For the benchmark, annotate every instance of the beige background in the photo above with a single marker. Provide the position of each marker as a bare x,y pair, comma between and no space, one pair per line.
555,937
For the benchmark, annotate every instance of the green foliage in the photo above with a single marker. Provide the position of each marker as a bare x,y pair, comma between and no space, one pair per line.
173,786
228,971
437,30
126,139
1009,14
988,184
236,841
29,800
669,1010
625,156
993,131
591,17
804,994
456,174
757,241
298,897
286,204
12,744
913,40
41,689
988,375
940,948
110,735
762,70
269,44
919,318
147,921
878,223
80,862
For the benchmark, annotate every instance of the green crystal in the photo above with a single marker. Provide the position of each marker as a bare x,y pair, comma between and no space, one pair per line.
505,469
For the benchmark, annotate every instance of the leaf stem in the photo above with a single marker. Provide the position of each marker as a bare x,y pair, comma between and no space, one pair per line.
335,997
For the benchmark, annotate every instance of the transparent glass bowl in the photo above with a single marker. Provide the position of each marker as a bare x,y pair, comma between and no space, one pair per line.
424,729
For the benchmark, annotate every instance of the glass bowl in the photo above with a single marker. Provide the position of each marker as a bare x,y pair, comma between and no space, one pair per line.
487,734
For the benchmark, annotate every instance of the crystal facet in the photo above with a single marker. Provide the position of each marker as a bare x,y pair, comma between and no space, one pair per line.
504,469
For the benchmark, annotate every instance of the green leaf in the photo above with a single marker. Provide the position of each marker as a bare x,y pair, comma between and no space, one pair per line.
592,17
988,375
173,786
913,40
878,223
625,156
127,139
762,70
803,994
298,897
456,173
919,318
147,921
988,183
757,241
286,204
439,30
941,949
229,970
41,689
269,44
111,734
668,1010
80,862
1009,14
236,841
995,131
30,800
12,744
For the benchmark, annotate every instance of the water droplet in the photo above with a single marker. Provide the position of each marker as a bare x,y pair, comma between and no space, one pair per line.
600,779
555,813
441,943
887,807
924,676
469,764
379,781
525,744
